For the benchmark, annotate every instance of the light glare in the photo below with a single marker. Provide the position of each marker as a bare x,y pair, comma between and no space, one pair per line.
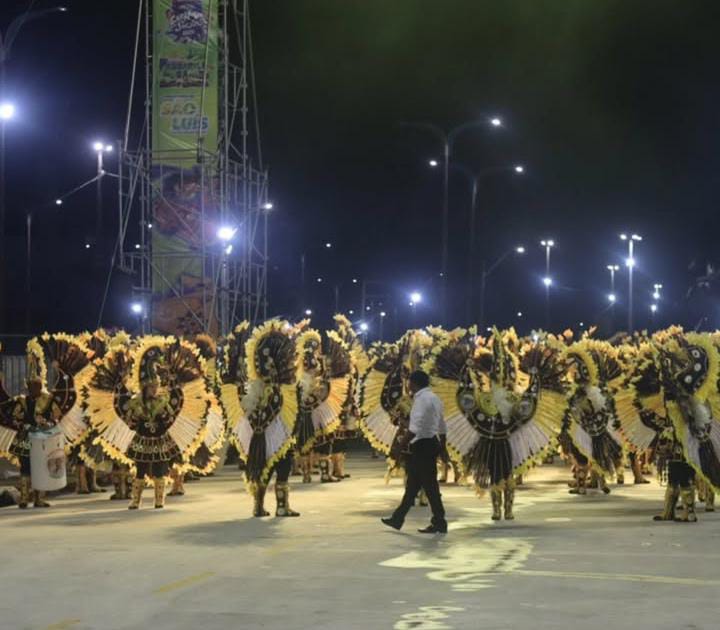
226,233
7,111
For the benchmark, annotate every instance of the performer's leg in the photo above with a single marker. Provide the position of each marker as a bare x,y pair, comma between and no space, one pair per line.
81,476
92,480
258,491
178,483
509,492
138,485
496,498
306,468
25,483
672,492
709,499
687,496
325,476
159,484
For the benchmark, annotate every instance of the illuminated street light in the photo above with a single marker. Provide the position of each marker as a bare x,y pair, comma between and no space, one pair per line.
58,202
137,245
351,312
318,280
496,122
363,327
415,298
630,264
612,298
136,308
354,280
654,308
228,250
519,169
267,206
308,312
383,313
432,163
519,314
547,281
226,233
520,249
87,245
7,111
656,292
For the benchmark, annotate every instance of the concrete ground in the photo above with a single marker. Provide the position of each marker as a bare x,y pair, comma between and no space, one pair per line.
202,563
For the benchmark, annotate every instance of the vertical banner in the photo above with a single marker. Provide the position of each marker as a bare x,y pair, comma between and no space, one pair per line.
185,100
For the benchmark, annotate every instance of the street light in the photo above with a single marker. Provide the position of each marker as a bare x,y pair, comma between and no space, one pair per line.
548,244
415,297
630,264
100,149
7,111
267,205
519,169
226,233
656,292
364,327
308,312
447,139
432,163
518,249
612,298
136,308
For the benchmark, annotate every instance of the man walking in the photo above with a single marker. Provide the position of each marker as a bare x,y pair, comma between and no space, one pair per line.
426,438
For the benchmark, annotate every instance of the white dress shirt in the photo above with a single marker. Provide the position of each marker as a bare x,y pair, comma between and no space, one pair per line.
427,416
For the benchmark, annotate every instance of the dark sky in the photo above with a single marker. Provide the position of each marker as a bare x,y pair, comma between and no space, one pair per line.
610,105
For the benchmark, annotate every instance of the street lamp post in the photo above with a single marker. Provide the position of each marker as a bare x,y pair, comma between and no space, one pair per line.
630,263
548,244
447,139
100,149
519,249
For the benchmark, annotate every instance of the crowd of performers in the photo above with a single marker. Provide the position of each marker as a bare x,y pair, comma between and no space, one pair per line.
150,410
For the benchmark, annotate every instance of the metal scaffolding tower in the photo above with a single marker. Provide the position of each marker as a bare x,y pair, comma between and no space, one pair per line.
233,185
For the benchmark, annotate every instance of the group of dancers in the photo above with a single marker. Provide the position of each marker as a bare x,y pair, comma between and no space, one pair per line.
150,410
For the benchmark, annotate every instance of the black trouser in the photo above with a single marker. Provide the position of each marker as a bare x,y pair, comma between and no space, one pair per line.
421,468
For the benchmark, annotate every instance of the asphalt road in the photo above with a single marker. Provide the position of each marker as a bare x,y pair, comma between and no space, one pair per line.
202,562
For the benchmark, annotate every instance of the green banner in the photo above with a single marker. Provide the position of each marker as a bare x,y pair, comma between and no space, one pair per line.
185,99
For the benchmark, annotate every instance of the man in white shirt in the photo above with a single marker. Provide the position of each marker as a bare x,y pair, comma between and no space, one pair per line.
426,438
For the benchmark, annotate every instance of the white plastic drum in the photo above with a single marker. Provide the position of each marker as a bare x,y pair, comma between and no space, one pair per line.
48,464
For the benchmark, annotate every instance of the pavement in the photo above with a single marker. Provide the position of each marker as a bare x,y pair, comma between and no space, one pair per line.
203,563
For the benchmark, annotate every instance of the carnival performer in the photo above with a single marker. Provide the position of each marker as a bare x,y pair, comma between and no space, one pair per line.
496,431
590,419
233,382
265,417
35,411
164,420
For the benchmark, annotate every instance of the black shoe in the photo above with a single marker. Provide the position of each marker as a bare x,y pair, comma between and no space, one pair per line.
391,523
434,529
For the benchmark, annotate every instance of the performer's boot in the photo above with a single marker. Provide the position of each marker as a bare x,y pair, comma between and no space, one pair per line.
24,492
138,485
444,468
92,481
709,500
496,497
671,498
687,496
120,480
306,468
296,469
637,471
579,488
338,470
509,500
620,476
39,499
325,476
159,484
282,499
422,499
82,484
259,501
178,484
457,475
602,484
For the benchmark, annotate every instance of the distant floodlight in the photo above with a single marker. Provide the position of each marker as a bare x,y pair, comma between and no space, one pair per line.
136,308
267,206
630,263
7,111
656,295
98,146
496,122
636,237
519,168
519,314
308,312
654,308
226,233
415,297
520,249
354,280
547,243
108,148
58,202
613,267
228,249
318,280
363,326
351,312
582,324
383,313
87,245
149,226
612,298
623,237
328,245
547,281
367,308
432,163
137,245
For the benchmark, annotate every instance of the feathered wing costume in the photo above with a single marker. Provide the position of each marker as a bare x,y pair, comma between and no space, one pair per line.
690,365
164,420
270,408
233,376
495,431
590,421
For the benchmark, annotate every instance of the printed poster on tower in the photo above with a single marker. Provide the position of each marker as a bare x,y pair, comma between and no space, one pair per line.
184,147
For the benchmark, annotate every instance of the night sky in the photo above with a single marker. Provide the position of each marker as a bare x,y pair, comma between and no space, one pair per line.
611,106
